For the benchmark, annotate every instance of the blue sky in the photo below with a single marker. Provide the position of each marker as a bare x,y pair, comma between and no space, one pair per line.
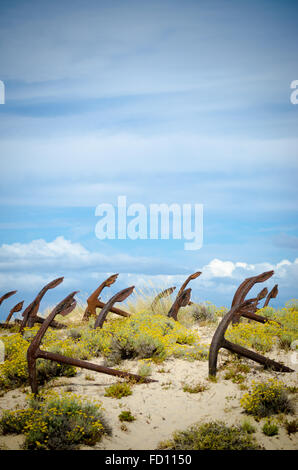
161,101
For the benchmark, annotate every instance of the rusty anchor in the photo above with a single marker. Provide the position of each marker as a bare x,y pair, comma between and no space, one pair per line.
34,352
7,295
17,308
241,294
250,312
219,341
119,297
272,295
181,301
93,301
190,278
30,316
183,297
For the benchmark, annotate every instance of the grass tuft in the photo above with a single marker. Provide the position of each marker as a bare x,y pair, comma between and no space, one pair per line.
198,388
126,416
118,390
211,436
269,428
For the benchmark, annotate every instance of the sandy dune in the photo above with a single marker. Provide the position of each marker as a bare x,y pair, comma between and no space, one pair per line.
163,407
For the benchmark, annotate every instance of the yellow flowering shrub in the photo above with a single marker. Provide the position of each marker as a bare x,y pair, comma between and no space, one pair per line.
266,398
262,337
255,335
142,335
56,422
14,370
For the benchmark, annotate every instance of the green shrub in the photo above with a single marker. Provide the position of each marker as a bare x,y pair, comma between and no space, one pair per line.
46,370
244,368
246,426
269,428
291,426
56,422
126,416
118,390
285,341
201,312
266,399
235,371
144,370
206,312
196,353
212,378
89,377
235,377
75,333
194,388
211,436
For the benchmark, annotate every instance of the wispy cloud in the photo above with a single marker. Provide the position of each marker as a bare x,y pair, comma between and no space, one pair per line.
39,261
62,255
163,102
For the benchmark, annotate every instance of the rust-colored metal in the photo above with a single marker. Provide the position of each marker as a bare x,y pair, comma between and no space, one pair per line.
34,352
7,295
182,295
247,285
181,301
7,326
161,295
250,312
4,297
55,324
219,341
118,311
93,302
17,308
259,297
243,290
262,294
30,313
254,316
190,278
272,294
119,297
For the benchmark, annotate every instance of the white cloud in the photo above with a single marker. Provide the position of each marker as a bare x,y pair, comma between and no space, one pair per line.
42,249
63,255
60,256
27,267
240,270
30,282
218,268
217,271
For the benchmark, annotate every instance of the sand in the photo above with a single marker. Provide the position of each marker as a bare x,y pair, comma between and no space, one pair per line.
163,407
